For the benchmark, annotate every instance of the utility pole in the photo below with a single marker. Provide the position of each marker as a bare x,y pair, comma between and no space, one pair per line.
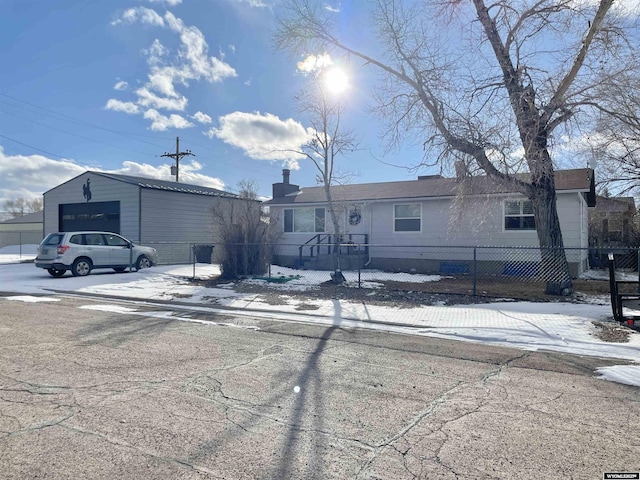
178,155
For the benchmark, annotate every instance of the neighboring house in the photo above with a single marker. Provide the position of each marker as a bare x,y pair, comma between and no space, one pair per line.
394,218
144,210
22,230
612,222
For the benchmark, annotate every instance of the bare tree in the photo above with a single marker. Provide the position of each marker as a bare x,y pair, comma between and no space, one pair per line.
329,141
21,206
493,84
615,145
244,232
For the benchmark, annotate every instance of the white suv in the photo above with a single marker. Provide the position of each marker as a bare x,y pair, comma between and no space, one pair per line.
81,252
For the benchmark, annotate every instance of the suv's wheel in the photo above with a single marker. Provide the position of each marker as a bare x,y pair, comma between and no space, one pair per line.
54,272
143,262
81,267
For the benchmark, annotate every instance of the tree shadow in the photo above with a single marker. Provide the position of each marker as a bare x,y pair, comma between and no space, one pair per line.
309,398
120,329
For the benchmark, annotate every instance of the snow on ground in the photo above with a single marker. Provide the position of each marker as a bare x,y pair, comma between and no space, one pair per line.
561,327
17,253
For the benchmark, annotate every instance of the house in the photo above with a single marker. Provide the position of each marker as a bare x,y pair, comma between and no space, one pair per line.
169,215
612,226
612,222
397,220
22,230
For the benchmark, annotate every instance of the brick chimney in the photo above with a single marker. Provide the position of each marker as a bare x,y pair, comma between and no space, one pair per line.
284,188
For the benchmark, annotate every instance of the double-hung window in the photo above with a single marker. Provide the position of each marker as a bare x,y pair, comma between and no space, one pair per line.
407,217
518,215
304,220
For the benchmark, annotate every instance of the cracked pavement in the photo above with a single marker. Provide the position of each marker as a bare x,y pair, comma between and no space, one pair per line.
96,394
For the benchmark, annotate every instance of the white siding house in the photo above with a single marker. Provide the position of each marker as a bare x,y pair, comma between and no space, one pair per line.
398,219
144,210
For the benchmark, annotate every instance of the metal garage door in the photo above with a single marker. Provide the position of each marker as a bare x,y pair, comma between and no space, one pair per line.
103,216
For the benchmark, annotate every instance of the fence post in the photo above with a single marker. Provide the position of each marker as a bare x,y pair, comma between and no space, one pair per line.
193,255
359,266
20,241
638,257
475,270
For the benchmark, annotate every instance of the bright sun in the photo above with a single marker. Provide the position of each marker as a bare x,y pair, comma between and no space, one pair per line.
336,80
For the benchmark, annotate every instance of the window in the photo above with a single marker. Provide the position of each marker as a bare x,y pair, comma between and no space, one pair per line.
115,241
407,217
309,220
53,239
518,215
94,239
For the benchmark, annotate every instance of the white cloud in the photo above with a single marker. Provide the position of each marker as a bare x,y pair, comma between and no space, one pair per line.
201,117
147,98
118,106
263,137
189,173
161,122
156,53
313,63
161,80
171,3
171,71
331,8
121,85
253,3
29,176
143,15
194,50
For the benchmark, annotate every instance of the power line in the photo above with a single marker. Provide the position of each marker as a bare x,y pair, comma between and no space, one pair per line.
71,119
35,122
31,146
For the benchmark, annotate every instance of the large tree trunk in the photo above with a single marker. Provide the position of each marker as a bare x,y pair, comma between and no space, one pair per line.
337,276
554,268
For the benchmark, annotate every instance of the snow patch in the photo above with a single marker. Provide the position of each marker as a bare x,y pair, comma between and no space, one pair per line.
627,374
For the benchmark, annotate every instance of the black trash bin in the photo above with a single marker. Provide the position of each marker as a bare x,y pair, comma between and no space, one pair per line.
203,253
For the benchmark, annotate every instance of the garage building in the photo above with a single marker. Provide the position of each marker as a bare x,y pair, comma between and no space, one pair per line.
145,210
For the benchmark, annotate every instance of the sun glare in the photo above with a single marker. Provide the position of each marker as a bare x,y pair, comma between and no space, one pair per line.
336,80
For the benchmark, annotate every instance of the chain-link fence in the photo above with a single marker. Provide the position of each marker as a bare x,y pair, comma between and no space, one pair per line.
520,272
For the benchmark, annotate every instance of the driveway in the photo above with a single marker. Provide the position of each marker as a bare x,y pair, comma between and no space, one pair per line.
98,389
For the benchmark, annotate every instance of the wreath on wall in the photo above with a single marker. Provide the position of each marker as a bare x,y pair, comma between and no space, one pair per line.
354,216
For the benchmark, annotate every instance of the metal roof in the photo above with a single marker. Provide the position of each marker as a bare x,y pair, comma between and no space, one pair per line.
155,184
35,217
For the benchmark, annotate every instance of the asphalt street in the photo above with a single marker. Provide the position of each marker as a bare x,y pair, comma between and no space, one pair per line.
167,393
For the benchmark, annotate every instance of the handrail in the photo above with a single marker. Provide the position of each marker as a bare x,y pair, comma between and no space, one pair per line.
321,239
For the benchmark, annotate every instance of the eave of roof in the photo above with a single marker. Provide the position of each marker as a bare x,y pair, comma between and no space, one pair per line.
35,217
578,180
152,183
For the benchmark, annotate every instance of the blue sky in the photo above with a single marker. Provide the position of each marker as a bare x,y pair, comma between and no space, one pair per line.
109,85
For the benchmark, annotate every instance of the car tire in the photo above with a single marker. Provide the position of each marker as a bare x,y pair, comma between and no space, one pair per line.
143,262
81,267
120,269
54,272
